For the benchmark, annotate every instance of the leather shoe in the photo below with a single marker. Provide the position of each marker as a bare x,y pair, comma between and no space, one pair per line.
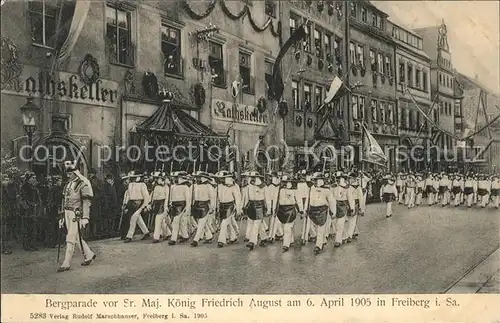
127,240
88,262
62,269
194,243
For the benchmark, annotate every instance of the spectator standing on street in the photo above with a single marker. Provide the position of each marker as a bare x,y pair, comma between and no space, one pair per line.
95,207
110,206
53,211
30,202
8,212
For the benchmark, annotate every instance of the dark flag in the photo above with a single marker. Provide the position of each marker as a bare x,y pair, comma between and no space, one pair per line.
278,86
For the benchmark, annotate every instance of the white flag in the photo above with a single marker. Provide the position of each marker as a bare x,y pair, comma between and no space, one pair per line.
334,88
372,152
79,17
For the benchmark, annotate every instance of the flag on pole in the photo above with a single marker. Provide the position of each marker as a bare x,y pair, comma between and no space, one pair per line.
372,152
334,89
278,86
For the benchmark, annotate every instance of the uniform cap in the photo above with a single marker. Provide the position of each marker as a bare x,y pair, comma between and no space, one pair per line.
317,175
156,174
70,165
202,174
254,174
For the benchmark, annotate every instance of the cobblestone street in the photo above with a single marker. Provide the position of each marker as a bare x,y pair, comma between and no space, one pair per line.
423,250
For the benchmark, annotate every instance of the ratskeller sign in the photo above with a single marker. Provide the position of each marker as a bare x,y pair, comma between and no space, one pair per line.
242,113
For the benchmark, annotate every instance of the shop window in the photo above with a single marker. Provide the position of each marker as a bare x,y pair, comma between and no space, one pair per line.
43,17
317,43
354,107
246,72
295,95
270,8
118,34
216,62
318,96
171,50
361,56
269,80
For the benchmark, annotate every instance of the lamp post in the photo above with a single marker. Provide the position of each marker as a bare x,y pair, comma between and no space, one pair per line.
29,112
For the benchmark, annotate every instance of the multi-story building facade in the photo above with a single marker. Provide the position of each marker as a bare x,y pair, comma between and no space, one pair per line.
308,70
435,45
125,52
413,88
479,107
371,66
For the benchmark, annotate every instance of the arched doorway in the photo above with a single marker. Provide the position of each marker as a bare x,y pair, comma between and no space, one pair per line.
50,152
404,156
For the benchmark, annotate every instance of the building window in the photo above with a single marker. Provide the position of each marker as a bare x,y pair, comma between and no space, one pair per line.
270,8
295,95
318,93
246,72
390,113
364,15
411,122
380,63
410,75
418,85
269,80
440,79
307,94
317,43
171,49
118,34
293,26
388,67
307,39
352,53
424,81
353,10
43,16
328,45
361,108
374,110
380,23
381,106
354,107
216,62
374,20
337,47
361,56
373,61
402,73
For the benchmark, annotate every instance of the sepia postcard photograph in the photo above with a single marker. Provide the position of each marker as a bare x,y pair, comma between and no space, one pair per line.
247,149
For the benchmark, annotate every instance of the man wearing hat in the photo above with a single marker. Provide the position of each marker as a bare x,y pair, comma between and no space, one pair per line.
495,190
124,221
429,188
229,196
204,201
159,207
365,181
256,204
469,188
457,189
344,209
7,214
400,186
245,181
180,209
444,189
357,201
136,199
30,202
76,200
483,190
388,193
411,186
420,189
303,189
321,203
272,193
288,203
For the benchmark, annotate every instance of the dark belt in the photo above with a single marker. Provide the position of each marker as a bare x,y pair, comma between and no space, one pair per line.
73,209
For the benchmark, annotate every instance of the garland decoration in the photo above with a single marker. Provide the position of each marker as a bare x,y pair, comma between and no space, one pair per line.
196,15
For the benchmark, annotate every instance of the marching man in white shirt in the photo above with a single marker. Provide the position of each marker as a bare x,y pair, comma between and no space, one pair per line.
271,191
180,209
495,190
136,199
400,186
457,189
159,207
388,194
76,202
320,201
429,188
411,185
444,189
469,190
483,190
288,204
420,189
356,205
256,203
203,206
343,203
229,196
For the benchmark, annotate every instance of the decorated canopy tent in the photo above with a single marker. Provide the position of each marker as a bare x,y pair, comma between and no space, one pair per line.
173,140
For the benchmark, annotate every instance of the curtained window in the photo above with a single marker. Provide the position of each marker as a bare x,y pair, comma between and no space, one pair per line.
43,16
